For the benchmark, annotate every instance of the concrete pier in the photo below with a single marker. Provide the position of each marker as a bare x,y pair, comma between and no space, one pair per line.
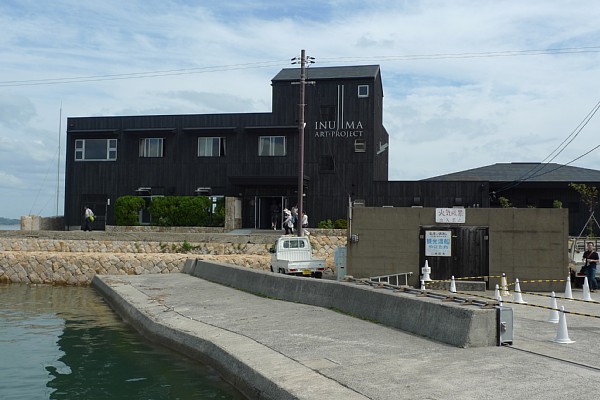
273,349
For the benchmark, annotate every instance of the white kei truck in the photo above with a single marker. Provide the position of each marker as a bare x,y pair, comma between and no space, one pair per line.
292,255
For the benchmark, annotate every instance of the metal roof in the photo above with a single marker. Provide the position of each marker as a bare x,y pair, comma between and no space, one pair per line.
347,72
523,171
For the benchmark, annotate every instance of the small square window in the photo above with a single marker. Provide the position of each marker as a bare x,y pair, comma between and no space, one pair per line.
360,146
363,90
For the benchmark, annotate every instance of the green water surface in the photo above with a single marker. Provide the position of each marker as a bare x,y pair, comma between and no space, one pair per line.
66,343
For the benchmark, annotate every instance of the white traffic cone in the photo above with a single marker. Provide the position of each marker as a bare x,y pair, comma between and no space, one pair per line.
568,291
562,334
497,294
425,271
505,291
553,317
586,291
518,295
452,285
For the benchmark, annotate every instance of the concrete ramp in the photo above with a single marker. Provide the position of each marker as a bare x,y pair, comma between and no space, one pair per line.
447,322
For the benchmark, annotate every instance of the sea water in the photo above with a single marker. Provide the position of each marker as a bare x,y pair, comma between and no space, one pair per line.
59,342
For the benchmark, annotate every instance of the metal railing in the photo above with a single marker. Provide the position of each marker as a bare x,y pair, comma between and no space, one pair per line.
390,279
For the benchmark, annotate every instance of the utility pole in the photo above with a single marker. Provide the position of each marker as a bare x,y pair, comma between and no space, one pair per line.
301,124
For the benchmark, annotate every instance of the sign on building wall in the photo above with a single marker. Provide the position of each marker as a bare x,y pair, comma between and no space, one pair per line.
438,243
450,215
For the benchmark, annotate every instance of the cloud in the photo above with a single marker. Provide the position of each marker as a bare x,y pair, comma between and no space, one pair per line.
10,181
454,97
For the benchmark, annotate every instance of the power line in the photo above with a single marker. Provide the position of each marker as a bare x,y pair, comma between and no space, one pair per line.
272,63
535,171
488,54
139,75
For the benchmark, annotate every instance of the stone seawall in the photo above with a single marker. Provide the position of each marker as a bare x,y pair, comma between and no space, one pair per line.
75,261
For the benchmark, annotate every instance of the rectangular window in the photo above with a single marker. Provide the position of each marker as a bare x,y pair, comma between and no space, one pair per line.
95,149
211,147
272,146
363,90
360,146
151,147
294,244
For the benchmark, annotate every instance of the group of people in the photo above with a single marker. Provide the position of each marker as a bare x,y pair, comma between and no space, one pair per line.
291,220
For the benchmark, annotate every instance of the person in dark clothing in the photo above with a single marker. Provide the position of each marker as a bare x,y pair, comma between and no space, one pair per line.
274,215
590,256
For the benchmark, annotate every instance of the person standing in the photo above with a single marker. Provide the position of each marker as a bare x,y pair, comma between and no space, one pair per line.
590,256
287,222
88,216
274,215
304,220
295,217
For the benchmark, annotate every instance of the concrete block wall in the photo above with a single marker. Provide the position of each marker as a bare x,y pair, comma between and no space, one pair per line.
528,244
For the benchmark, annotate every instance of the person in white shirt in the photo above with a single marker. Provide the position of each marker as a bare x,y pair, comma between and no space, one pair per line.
88,218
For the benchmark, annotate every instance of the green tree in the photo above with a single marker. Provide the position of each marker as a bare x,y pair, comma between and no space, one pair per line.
589,197
504,202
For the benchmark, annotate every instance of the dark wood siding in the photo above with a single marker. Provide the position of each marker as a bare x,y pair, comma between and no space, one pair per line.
334,170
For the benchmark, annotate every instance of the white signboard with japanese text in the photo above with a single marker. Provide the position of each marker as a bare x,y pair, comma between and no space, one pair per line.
438,243
450,215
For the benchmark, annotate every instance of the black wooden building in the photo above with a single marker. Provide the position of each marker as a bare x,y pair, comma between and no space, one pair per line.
254,156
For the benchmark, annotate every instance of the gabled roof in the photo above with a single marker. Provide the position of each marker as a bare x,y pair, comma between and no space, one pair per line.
529,172
314,73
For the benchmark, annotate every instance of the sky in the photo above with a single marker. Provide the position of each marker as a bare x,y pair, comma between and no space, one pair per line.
467,83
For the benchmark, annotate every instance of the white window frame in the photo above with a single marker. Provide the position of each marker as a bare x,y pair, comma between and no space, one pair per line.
147,150
208,150
268,146
364,92
110,155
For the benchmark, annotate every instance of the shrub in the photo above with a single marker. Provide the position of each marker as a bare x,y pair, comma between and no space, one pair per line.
326,224
127,210
219,213
557,204
180,211
341,224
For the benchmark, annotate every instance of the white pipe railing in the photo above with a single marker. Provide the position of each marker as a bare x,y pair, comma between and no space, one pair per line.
390,279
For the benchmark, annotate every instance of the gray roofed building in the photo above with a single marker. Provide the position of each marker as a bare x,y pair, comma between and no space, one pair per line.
523,171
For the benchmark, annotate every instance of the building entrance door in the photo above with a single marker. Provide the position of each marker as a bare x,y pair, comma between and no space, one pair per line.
455,251
268,212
